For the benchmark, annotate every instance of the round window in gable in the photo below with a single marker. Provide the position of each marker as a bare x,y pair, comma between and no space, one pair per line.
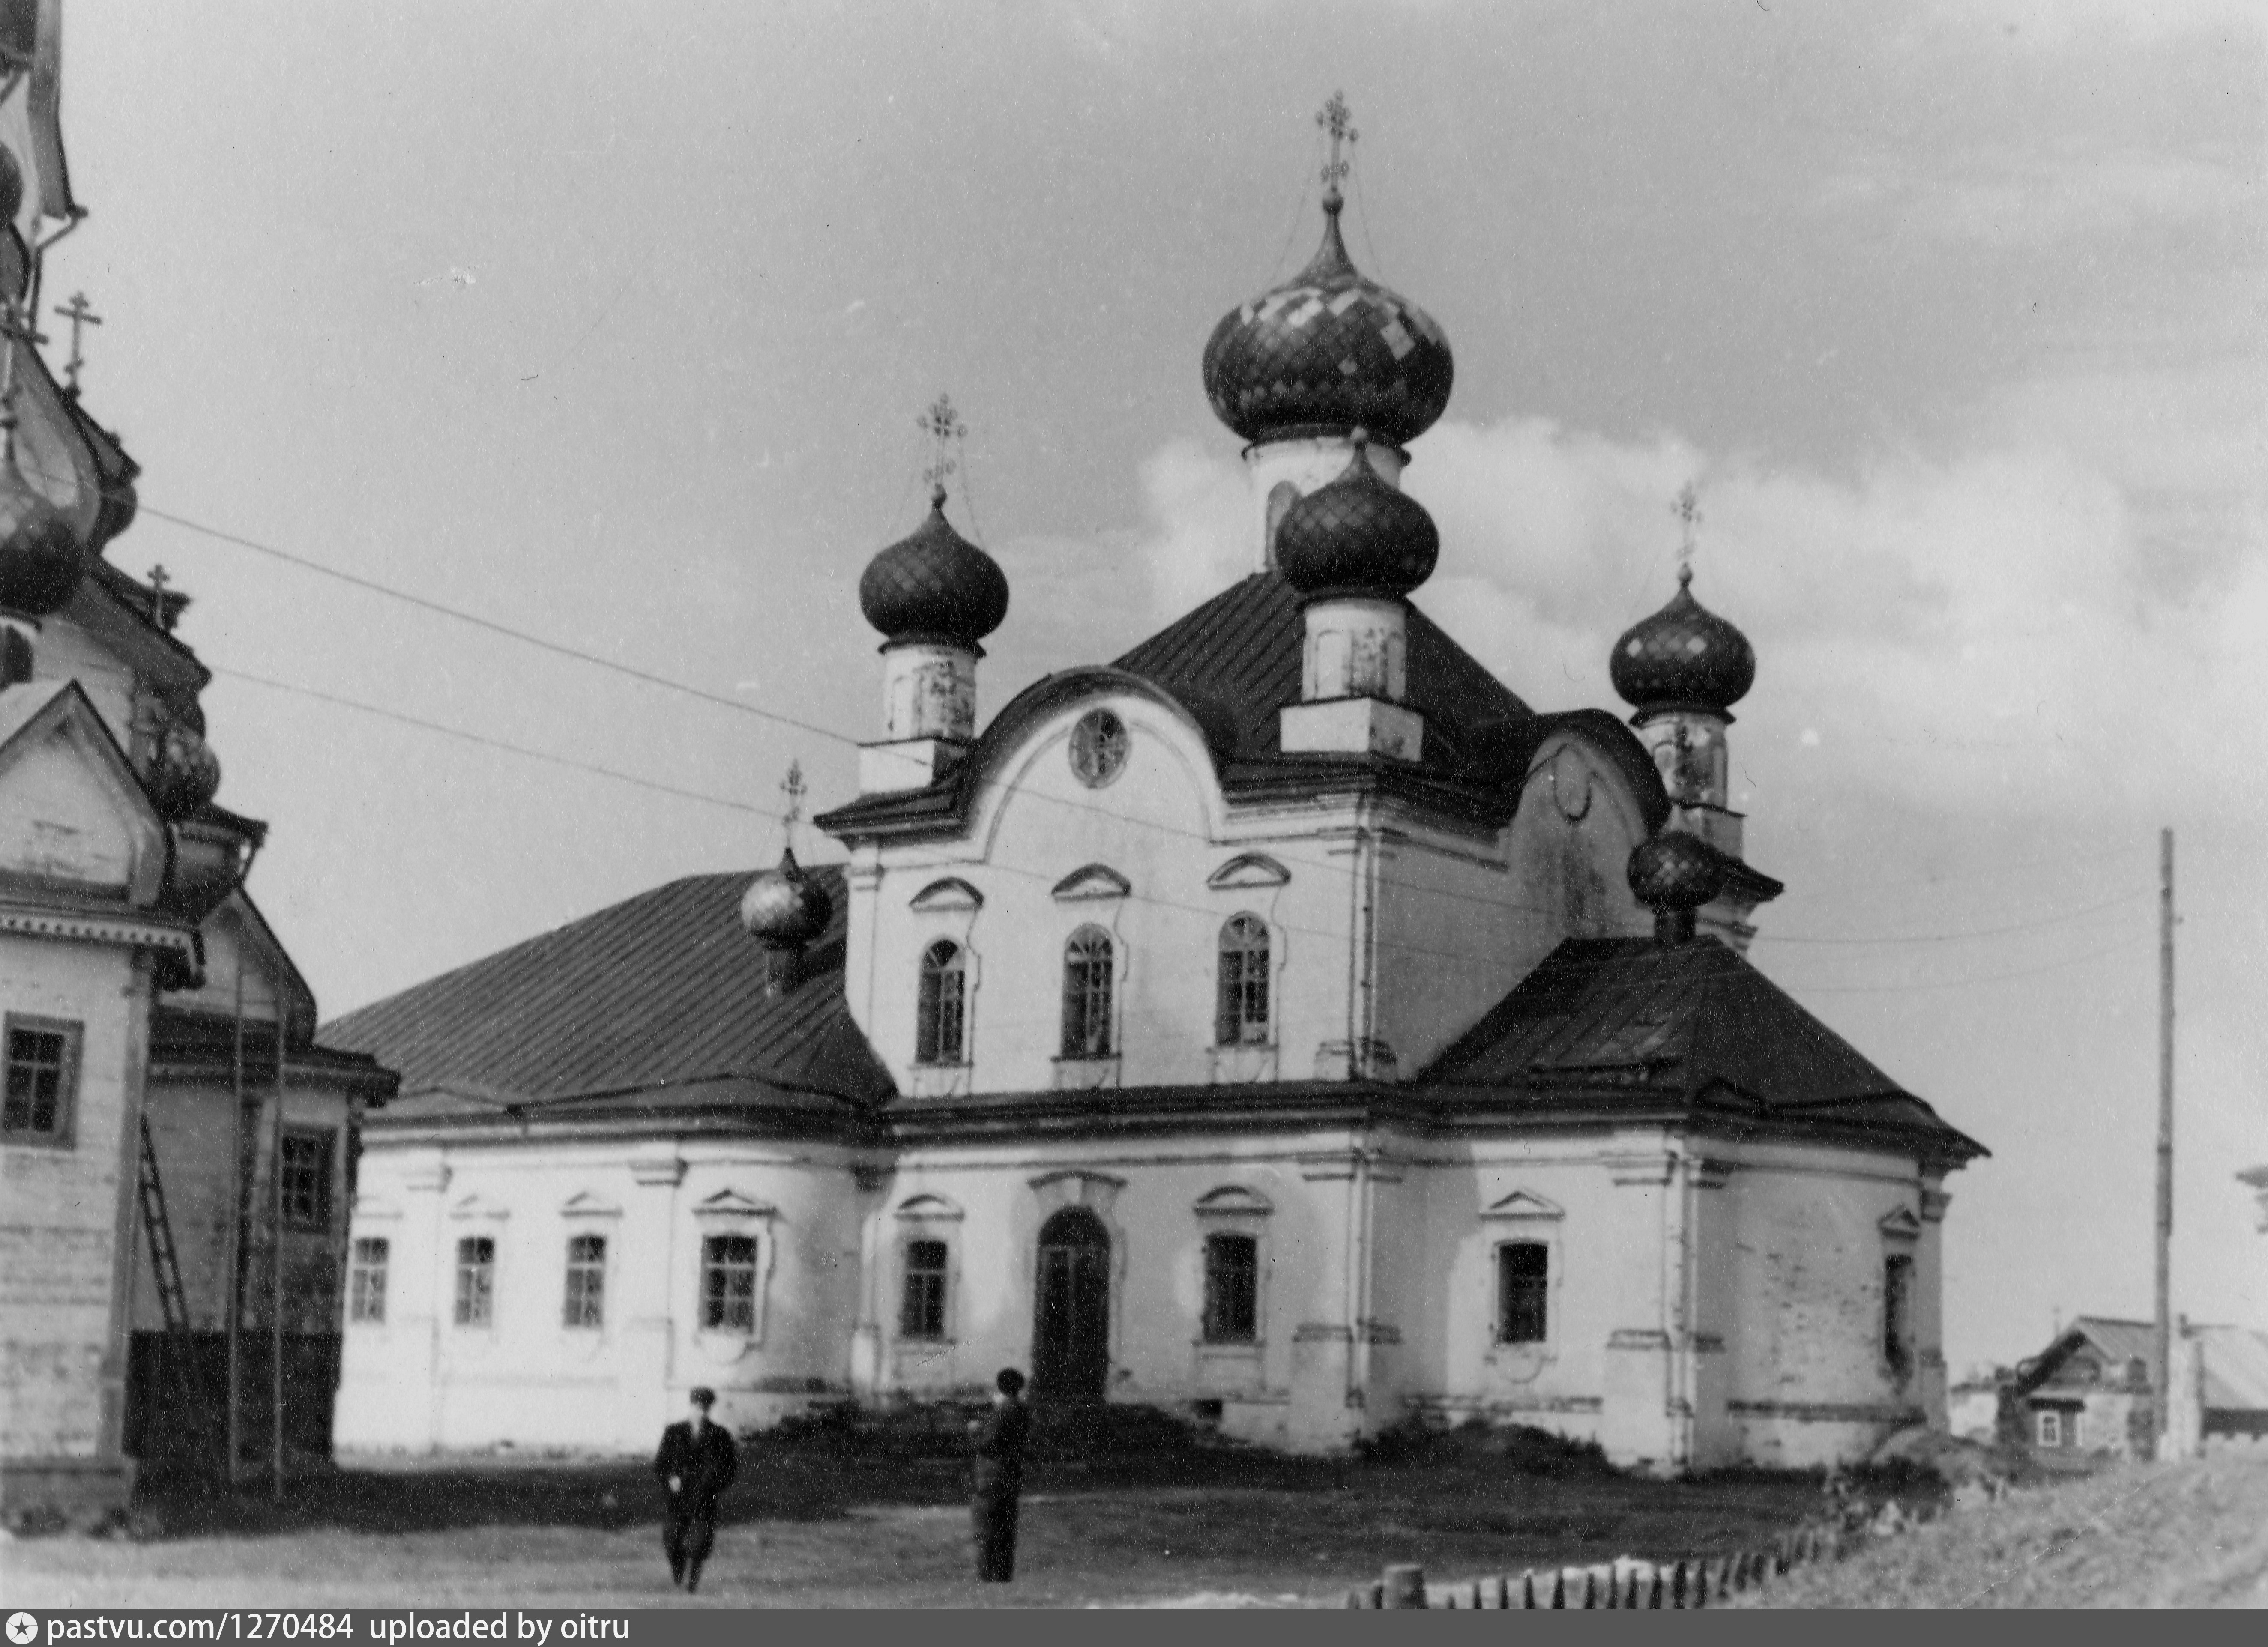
1098,747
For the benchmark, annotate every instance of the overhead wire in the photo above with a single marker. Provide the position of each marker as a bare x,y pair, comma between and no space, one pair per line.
666,682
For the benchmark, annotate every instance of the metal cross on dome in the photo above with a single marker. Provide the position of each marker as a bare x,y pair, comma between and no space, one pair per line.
792,786
1336,119
943,426
1688,511
81,314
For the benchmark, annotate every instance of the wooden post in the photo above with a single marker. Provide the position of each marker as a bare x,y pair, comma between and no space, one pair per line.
2161,1425
1405,1585
275,1266
232,1297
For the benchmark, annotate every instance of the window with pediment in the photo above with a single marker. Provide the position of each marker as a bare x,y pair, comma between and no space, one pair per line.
1088,978
1240,1015
940,1016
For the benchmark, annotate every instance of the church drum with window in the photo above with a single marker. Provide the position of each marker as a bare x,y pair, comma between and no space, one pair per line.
1283,1024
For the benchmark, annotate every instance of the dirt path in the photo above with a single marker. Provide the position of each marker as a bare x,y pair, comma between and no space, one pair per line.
2178,1535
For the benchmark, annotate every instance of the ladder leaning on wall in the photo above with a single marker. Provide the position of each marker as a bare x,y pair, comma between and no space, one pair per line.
163,1261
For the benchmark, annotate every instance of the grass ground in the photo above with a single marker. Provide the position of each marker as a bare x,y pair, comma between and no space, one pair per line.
814,1525
2192,1534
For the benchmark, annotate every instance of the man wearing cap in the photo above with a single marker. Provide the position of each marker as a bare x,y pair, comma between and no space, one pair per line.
695,1465
998,1441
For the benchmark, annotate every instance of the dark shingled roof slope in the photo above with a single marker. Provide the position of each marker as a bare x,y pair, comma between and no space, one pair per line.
662,991
1638,1023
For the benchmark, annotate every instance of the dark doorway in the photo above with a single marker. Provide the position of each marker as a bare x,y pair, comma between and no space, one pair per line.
1071,1328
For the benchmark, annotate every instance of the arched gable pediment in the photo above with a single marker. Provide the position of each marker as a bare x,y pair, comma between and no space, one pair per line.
731,1203
930,1206
1232,1200
589,1204
1248,869
74,813
1092,881
952,892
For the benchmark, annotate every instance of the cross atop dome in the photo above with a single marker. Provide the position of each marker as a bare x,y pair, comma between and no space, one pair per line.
1336,120
945,431
1688,511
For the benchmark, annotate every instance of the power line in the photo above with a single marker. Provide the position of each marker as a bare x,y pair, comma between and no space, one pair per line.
1947,938
494,743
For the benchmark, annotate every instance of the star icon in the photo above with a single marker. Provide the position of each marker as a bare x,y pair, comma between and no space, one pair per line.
22,1628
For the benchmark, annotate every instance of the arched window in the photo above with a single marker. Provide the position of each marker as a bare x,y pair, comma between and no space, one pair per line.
1240,1019
941,1020
1087,993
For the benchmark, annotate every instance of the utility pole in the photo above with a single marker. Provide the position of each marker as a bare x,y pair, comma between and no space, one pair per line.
2165,1242
233,1302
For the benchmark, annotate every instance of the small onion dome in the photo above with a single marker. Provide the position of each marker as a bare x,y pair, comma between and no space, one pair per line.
40,556
1326,352
783,909
1359,535
1683,654
184,775
1675,873
934,586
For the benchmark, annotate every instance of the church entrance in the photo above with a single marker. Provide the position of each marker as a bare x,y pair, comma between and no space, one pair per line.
1071,1329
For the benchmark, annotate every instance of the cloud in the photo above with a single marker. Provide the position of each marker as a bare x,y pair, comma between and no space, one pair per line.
1991,631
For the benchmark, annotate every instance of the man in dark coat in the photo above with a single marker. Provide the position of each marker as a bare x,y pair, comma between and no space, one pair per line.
998,1441
695,1465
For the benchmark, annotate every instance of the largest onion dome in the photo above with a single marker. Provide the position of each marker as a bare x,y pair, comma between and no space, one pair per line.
41,561
934,585
1358,535
1684,655
1328,351
784,909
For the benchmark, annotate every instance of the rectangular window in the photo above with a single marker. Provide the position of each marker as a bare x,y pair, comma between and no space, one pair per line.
42,1080
307,1178
1231,1291
587,1281
1897,1312
2050,1429
476,1281
366,1281
728,1283
920,1310
1523,1270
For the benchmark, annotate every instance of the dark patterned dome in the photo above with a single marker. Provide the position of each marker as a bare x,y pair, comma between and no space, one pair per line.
934,586
1328,351
1675,871
184,775
39,557
1360,534
784,909
1683,654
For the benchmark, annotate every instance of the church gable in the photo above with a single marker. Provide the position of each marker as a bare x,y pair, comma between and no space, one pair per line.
72,814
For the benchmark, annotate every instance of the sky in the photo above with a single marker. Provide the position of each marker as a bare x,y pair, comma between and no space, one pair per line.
612,323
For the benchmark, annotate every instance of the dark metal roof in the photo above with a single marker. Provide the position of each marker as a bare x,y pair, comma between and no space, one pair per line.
662,993
1692,1022
1235,662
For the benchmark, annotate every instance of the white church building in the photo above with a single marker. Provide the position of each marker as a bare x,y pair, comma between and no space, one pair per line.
1283,1024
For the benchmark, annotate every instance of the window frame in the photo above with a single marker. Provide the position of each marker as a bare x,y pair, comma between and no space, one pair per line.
931,1005
366,1279
1252,963
584,1309
936,1290
324,1142
63,1132
1213,1331
1899,1271
480,1269
1089,991
1536,1291
715,1303
2046,1420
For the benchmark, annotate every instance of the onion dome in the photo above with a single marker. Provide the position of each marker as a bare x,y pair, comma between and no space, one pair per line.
784,909
1328,352
39,557
1675,873
184,775
1359,535
1684,655
934,586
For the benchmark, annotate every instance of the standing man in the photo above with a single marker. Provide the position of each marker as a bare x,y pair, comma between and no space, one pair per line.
695,1465
998,1440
